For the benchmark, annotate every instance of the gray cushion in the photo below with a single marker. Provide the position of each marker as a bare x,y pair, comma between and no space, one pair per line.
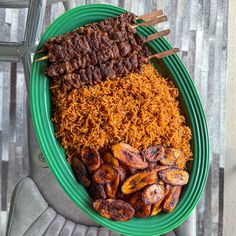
27,205
30,215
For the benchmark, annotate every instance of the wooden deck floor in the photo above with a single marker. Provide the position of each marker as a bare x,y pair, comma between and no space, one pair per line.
199,29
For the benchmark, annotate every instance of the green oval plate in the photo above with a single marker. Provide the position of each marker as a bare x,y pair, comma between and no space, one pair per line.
55,155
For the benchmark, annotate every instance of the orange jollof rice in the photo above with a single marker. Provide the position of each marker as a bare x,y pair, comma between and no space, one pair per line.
139,109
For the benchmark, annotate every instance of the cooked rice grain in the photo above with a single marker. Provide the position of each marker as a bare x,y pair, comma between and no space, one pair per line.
140,109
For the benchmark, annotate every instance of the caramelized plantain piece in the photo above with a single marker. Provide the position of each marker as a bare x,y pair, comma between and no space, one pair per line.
152,165
81,172
139,181
96,191
105,174
128,155
153,153
122,196
153,193
161,182
114,209
171,155
172,199
124,173
157,207
142,210
159,168
91,158
133,170
174,176
111,188
108,158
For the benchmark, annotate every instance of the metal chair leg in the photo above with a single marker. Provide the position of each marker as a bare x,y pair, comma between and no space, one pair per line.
32,33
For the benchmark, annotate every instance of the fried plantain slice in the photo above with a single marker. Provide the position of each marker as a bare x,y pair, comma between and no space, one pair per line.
153,153
142,210
105,174
174,176
111,188
139,181
171,155
153,193
114,209
124,173
81,172
157,207
91,158
133,170
96,191
122,196
159,168
128,155
152,165
172,199
108,158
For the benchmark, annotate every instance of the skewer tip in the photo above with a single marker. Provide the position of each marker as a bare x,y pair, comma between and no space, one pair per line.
39,51
164,54
41,59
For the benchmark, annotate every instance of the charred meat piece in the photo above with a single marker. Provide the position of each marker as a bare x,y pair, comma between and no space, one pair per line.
172,199
89,38
90,158
81,172
128,155
138,181
95,74
154,153
174,176
171,155
114,209
142,210
96,191
153,193
105,174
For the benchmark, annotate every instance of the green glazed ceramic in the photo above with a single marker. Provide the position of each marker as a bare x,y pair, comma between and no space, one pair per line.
171,67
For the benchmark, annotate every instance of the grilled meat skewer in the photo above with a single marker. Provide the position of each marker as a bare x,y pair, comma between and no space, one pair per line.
117,50
92,37
94,74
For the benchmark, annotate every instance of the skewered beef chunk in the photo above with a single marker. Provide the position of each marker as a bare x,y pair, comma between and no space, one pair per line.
117,50
94,74
89,38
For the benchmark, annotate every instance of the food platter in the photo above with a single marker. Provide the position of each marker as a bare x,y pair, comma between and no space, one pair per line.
171,67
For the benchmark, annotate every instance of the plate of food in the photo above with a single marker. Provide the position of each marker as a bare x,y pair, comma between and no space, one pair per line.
119,120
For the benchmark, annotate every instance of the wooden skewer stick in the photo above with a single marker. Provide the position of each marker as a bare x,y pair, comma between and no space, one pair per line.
53,87
151,22
39,51
164,54
150,15
157,35
41,58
